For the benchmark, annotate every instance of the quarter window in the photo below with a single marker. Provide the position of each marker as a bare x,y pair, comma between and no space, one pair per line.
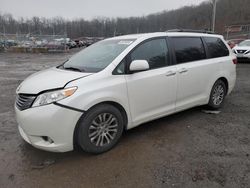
120,69
188,49
154,51
216,47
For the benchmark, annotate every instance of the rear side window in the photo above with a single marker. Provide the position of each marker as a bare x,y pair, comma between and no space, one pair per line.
154,51
188,49
216,47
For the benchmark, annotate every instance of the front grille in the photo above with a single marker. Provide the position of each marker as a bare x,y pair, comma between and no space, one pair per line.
24,101
241,51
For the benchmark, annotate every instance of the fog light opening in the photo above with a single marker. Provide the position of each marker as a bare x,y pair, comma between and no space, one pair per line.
47,139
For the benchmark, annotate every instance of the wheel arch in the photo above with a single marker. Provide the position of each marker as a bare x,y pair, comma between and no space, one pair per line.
115,104
225,82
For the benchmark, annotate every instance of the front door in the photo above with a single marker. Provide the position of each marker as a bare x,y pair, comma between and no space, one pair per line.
152,93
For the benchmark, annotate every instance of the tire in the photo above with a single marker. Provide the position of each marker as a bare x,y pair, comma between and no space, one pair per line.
217,95
100,129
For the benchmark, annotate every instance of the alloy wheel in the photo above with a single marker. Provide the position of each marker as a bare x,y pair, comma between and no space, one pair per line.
218,94
103,129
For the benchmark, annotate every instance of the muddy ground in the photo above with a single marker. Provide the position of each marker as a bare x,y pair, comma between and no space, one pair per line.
188,149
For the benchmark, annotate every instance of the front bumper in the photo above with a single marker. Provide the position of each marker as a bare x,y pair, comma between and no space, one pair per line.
50,121
243,57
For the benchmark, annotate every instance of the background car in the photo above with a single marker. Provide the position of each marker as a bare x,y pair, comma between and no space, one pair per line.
242,50
79,43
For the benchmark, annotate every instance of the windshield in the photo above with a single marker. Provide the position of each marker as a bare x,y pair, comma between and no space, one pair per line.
245,43
98,56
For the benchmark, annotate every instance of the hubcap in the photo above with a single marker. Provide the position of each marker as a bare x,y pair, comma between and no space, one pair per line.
218,95
103,129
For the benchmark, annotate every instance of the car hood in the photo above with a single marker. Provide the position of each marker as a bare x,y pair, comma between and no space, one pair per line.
241,48
48,79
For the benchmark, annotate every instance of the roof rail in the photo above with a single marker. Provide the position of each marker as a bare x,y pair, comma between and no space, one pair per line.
190,31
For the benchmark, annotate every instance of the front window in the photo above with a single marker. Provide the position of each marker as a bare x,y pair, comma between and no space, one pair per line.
154,51
245,43
98,56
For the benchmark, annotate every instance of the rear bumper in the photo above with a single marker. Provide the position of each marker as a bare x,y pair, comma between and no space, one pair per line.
231,85
54,122
232,80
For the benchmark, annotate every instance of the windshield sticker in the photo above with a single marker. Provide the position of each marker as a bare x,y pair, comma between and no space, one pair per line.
126,42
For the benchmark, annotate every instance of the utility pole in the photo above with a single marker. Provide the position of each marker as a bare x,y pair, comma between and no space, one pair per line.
65,37
115,31
214,14
4,32
115,24
228,30
53,31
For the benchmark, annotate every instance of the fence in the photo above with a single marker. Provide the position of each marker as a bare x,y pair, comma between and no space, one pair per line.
237,31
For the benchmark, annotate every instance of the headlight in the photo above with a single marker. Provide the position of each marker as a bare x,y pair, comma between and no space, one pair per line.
53,96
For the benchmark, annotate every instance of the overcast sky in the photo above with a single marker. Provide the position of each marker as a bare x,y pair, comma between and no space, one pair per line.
89,9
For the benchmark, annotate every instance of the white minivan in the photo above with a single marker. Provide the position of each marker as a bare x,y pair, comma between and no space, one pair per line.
120,83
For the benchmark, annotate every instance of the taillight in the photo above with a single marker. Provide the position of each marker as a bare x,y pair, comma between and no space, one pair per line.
235,61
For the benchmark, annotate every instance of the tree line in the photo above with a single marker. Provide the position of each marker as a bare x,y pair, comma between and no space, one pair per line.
191,17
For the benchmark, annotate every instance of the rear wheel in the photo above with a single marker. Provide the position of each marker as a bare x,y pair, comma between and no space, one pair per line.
218,94
100,129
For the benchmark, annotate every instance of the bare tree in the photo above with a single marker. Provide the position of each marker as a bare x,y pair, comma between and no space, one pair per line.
192,17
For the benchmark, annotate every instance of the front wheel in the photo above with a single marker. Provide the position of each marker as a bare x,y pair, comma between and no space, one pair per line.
100,129
217,95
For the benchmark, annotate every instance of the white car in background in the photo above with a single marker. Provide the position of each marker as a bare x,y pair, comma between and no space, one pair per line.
242,50
119,83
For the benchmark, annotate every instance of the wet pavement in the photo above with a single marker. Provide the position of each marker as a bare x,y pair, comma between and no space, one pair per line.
189,149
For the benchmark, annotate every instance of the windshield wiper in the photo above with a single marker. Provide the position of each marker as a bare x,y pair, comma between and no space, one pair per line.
73,69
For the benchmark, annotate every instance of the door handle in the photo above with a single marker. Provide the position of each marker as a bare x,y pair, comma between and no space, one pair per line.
170,73
183,70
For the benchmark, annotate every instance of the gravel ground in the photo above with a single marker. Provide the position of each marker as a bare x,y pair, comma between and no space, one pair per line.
188,149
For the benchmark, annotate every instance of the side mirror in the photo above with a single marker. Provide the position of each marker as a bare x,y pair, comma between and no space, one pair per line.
138,65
